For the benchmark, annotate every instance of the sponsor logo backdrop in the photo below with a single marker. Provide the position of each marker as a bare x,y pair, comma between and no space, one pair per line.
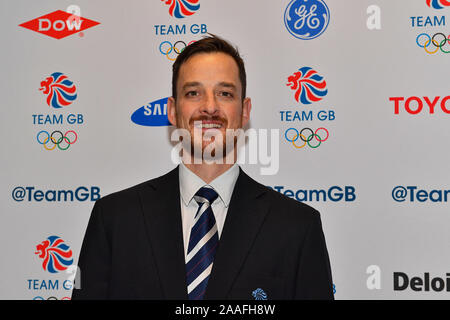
358,91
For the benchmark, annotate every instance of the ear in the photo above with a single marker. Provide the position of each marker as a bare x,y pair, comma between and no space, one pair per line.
171,111
246,108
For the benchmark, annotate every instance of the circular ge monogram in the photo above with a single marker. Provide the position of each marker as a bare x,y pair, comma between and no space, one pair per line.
438,44
306,19
307,138
166,48
62,142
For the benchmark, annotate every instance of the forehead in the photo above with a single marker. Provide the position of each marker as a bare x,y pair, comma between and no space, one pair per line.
209,68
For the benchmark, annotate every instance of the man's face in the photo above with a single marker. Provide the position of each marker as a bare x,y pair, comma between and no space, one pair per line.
209,92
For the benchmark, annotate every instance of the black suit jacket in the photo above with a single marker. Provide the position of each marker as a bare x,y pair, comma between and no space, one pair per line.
133,246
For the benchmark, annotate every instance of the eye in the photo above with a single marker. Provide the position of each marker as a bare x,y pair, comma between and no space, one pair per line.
226,94
192,93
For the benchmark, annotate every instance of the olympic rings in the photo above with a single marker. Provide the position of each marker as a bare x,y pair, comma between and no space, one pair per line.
174,48
306,139
50,298
439,44
56,142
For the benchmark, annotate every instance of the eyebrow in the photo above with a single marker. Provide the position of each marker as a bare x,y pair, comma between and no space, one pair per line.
190,84
227,85
198,84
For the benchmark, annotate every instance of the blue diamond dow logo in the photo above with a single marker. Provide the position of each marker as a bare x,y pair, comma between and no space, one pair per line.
306,19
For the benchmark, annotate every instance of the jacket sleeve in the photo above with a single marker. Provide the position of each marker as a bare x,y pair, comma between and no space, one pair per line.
314,280
94,260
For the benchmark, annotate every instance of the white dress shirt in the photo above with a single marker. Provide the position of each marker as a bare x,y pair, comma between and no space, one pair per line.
190,183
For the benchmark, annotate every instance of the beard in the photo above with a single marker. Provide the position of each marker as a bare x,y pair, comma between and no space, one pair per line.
210,145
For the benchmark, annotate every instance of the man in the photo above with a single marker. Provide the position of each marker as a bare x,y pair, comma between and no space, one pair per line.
205,230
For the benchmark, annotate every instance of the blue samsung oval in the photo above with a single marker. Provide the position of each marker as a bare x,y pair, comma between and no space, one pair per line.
153,114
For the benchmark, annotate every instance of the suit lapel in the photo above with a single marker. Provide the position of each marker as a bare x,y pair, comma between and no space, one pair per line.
162,215
246,213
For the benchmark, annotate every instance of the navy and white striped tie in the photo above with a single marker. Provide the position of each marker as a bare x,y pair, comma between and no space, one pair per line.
202,246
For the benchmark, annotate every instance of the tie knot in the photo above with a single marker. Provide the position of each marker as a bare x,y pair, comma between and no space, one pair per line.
205,194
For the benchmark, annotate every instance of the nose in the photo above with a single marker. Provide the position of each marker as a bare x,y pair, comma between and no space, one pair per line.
210,106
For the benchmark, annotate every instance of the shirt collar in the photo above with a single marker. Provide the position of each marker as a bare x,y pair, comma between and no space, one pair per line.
223,184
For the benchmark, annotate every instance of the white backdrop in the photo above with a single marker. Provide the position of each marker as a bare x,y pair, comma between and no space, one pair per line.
394,221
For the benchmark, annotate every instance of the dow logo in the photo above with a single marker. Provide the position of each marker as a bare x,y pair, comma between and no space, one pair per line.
182,8
59,24
56,255
438,4
308,85
60,91
306,19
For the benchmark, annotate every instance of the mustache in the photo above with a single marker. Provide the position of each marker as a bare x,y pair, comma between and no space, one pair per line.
208,118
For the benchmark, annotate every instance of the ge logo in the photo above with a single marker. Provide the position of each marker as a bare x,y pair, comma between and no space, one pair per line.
313,140
171,51
306,19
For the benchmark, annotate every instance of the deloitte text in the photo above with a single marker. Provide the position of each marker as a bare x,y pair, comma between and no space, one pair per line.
426,283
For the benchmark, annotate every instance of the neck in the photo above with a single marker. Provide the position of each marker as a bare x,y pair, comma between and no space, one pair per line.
208,172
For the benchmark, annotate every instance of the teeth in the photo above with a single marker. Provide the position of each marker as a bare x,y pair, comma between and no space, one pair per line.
208,125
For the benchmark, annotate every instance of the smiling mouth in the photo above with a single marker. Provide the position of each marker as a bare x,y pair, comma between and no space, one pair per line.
207,125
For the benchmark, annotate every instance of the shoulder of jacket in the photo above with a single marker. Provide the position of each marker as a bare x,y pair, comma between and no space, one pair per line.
292,208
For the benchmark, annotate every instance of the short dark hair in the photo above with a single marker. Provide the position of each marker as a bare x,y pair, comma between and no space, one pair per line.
209,44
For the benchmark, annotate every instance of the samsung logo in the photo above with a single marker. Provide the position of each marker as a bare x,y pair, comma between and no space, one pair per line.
153,114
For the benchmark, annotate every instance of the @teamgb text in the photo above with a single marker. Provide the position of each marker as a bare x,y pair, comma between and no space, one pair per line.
167,49
56,139
307,137
425,41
